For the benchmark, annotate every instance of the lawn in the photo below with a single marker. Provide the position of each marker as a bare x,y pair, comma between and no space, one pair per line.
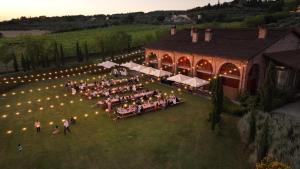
178,137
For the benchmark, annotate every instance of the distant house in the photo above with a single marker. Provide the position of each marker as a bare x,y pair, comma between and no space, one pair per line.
239,55
179,19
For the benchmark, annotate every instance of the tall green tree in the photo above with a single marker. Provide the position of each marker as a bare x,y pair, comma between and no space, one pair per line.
86,51
15,62
6,54
56,54
23,63
34,49
62,54
268,89
79,53
217,101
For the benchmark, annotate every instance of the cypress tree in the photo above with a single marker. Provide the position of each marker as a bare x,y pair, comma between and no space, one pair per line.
217,101
47,64
56,54
78,53
23,63
62,55
268,88
86,51
15,62
28,63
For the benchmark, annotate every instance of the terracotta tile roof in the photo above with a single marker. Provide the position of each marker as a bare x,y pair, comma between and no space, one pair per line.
239,44
289,58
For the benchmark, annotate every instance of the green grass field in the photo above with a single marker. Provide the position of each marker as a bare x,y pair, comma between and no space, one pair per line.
68,39
178,137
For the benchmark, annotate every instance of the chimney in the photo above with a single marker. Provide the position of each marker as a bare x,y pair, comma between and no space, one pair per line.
173,30
195,36
208,35
262,32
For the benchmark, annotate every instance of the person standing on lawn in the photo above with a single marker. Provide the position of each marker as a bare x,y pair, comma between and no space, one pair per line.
66,127
37,125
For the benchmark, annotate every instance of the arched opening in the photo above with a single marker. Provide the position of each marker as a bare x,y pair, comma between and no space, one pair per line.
184,66
153,61
231,79
252,80
167,63
204,69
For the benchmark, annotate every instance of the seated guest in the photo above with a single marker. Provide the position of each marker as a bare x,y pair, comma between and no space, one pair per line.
55,131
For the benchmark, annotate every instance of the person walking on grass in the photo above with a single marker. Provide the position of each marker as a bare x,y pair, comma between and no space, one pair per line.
66,127
20,148
37,125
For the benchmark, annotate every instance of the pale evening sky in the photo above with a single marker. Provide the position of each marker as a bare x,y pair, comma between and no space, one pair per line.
17,8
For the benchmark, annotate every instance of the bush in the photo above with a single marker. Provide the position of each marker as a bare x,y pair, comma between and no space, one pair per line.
276,16
254,20
233,109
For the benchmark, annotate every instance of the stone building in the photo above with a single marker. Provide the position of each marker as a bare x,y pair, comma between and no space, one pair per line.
239,55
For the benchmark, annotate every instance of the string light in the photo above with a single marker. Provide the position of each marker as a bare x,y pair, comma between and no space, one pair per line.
9,131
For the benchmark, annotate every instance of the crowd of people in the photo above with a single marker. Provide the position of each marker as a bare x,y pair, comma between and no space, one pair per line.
119,72
147,104
114,100
104,87
137,101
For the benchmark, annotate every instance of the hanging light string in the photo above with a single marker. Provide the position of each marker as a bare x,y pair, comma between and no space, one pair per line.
67,76
19,104
61,73
39,100
52,106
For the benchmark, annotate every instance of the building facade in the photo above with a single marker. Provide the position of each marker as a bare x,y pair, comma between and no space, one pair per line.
236,54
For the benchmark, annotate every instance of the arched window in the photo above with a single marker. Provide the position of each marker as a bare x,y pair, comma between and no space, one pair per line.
204,69
167,63
184,65
153,61
152,58
231,74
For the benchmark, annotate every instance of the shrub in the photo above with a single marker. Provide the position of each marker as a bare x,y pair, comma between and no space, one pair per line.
270,163
233,108
254,20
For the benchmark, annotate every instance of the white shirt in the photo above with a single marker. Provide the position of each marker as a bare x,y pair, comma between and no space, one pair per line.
37,124
66,123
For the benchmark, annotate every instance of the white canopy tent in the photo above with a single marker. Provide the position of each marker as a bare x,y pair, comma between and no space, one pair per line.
195,82
139,68
178,78
107,64
161,73
130,65
148,70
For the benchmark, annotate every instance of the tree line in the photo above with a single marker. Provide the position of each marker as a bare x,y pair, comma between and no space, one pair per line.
34,54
